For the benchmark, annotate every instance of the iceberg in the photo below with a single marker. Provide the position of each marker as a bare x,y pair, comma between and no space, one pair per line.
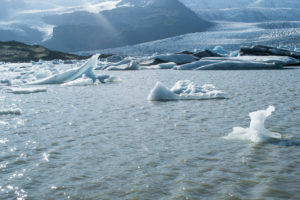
131,65
71,75
239,63
179,59
170,65
162,93
83,81
26,90
184,90
220,50
256,132
194,65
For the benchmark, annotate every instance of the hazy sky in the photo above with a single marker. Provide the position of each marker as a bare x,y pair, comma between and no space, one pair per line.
9,8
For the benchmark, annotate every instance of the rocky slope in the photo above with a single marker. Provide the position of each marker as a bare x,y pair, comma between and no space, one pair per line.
18,52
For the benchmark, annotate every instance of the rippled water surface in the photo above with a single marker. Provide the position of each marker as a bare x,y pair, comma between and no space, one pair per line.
109,142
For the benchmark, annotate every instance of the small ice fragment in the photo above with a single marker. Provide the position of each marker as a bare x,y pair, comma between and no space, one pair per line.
46,157
26,90
256,132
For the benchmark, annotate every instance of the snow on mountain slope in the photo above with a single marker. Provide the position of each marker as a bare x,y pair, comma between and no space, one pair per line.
228,4
275,4
216,4
227,34
246,10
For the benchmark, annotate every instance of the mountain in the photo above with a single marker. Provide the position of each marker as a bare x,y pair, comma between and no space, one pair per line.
246,10
125,25
13,51
21,33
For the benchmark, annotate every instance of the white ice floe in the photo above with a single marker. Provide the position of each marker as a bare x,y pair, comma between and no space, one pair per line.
3,123
73,74
176,58
257,132
284,60
184,90
83,81
169,65
11,111
132,65
239,63
26,90
3,141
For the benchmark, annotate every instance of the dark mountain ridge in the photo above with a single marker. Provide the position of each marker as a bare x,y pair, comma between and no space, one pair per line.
80,31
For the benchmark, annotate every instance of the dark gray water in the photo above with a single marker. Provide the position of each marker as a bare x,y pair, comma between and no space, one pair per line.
109,142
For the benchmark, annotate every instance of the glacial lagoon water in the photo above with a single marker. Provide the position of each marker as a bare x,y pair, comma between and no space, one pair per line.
108,141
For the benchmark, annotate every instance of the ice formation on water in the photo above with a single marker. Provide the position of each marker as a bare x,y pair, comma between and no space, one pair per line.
26,90
83,81
239,63
220,50
73,74
176,58
12,111
127,65
169,65
162,93
257,132
184,90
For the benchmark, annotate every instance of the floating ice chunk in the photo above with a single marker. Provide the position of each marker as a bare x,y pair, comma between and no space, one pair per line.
161,93
169,65
238,65
132,65
103,78
185,90
257,132
43,74
15,111
72,74
26,90
220,50
3,123
3,141
283,60
176,58
5,81
194,65
234,54
83,81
